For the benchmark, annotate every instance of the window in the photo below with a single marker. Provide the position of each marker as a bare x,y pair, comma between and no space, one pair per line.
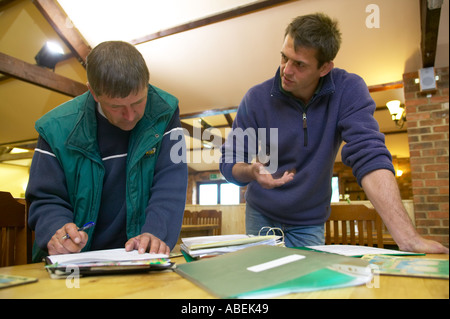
218,192
335,189
207,194
229,194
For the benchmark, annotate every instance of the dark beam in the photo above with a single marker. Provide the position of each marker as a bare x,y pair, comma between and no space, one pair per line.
190,130
207,113
229,119
233,13
403,131
430,11
15,157
4,3
26,144
386,86
37,75
57,18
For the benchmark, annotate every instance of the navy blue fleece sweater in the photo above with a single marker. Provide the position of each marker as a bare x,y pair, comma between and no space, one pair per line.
309,137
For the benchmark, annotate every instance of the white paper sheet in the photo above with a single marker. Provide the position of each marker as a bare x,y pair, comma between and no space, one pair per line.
119,254
355,250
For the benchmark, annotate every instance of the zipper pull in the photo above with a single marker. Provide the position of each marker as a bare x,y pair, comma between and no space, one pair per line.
305,130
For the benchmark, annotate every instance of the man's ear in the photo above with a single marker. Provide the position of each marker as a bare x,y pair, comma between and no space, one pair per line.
92,92
326,68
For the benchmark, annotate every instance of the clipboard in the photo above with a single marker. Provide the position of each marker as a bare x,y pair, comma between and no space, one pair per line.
105,262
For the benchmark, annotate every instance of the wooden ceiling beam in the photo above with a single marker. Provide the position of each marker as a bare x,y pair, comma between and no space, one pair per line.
58,19
430,11
4,3
229,119
229,14
385,86
208,112
190,130
37,75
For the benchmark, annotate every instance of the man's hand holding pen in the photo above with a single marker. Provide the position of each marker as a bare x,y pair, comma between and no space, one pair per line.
68,239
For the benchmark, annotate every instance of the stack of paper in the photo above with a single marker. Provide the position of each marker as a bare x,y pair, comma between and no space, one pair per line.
207,246
105,262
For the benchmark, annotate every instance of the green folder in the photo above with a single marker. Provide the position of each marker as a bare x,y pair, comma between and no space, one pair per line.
279,271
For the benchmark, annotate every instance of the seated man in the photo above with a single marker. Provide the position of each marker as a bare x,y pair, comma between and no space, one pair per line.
104,157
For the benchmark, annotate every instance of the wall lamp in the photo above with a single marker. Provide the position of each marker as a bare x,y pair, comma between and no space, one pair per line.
397,112
50,54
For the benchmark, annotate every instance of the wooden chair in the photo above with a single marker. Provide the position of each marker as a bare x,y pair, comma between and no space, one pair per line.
340,226
15,236
211,217
204,222
189,218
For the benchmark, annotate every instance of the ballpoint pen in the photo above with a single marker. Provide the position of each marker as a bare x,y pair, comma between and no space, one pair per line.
85,226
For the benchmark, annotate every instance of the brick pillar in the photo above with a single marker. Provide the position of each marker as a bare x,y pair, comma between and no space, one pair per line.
427,117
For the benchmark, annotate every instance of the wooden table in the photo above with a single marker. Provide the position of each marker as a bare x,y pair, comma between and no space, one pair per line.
169,285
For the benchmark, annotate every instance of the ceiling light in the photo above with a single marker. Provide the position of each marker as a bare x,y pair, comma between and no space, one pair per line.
397,112
50,54
207,144
18,150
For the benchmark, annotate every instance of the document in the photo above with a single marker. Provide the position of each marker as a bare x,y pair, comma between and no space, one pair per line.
12,280
409,266
268,271
206,246
108,255
105,262
358,251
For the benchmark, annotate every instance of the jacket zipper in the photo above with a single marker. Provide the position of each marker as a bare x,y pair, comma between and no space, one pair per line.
305,130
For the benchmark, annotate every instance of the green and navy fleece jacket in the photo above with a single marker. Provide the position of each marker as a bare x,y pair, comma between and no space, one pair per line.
85,169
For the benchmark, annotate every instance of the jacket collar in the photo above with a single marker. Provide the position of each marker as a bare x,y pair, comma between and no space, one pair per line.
326,86
83,137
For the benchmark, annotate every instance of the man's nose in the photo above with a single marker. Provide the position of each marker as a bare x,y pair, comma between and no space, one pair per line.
128,113
288,67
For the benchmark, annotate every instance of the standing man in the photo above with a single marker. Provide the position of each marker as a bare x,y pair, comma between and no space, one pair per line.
314,107
103,157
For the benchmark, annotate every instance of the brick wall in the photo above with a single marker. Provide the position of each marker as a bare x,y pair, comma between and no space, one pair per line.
427,117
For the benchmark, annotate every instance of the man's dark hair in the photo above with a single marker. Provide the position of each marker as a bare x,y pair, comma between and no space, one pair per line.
116,69
316,31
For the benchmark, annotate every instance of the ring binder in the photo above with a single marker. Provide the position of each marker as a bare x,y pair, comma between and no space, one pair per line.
273,229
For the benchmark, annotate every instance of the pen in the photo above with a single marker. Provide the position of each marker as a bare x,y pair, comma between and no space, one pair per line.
85,226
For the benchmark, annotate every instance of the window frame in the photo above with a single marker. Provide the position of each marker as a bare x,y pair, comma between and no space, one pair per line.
218,183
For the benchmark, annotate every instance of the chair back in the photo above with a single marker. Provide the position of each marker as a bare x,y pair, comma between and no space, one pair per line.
189,218
354,225
211,216
15,236
204,217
